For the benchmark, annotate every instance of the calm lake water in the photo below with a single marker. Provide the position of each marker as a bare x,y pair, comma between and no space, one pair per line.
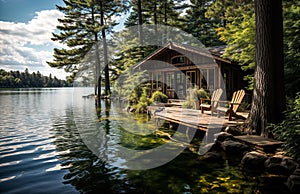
54,141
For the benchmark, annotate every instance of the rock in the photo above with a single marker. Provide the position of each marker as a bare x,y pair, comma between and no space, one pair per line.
234,148
233,130
293,182
211,147
222,136
279,164
132,110
213,157
254,161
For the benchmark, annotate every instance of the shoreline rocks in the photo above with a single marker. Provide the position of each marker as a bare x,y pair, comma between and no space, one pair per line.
252,161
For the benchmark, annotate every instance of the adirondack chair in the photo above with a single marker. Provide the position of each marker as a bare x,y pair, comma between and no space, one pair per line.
233,105
213,101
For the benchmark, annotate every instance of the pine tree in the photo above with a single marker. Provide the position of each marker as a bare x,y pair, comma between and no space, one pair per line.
85,23
199,25
78,30
236,28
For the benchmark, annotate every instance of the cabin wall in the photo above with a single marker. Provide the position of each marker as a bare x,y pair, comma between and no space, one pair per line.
175,79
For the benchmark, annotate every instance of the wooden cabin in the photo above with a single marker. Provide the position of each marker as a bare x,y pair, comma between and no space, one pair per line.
175,67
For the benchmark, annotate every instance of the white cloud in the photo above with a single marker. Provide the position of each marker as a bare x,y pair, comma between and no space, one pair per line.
29,44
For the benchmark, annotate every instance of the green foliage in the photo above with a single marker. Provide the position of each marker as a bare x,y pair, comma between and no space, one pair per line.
158,96
237,31
130,85
291,23
200,26
80,29
289,130
164,12
143,102
16,79
193,97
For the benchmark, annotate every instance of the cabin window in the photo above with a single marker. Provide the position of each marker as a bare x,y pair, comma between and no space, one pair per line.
170,81
156,81
211,77
208,79
180,85
203,80
178,59
190,79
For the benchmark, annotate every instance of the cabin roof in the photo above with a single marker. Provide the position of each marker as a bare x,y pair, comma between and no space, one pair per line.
218,51
214,53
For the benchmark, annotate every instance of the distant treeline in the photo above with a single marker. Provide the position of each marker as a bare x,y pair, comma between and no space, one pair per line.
17,79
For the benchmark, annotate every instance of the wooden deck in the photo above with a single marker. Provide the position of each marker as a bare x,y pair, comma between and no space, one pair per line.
195,119
190,117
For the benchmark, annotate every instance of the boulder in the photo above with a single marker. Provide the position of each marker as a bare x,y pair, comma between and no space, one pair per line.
254,161
293,182
212,157
234,148
222,136
132,110
211,147
233,130
279,164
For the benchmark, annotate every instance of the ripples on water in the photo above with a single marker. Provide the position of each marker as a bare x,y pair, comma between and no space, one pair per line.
42,151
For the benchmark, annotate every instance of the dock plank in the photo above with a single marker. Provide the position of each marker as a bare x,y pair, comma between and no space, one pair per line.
188,117
261,143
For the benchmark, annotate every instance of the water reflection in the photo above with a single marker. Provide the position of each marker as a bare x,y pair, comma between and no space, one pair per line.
46,146
87,172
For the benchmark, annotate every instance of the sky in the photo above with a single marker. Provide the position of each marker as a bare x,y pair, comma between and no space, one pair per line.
26,28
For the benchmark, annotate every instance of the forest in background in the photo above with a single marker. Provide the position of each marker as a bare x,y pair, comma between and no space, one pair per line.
17,79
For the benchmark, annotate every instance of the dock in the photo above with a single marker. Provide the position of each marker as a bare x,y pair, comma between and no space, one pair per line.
195,119
190,117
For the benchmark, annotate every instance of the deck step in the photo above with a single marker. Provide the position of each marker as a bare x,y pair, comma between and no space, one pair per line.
260,143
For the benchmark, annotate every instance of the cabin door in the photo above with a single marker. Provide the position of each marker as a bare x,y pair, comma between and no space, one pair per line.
190,79
170,79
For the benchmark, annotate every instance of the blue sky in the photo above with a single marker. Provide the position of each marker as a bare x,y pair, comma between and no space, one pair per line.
24,10
26,28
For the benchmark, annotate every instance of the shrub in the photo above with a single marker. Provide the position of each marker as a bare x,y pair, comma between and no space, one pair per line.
158,96
143,102
201,93
288,131
194,94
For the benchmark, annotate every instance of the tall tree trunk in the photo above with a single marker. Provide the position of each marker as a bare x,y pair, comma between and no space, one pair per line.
105,54
166,12
155,16
97,68
268,100
140,16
